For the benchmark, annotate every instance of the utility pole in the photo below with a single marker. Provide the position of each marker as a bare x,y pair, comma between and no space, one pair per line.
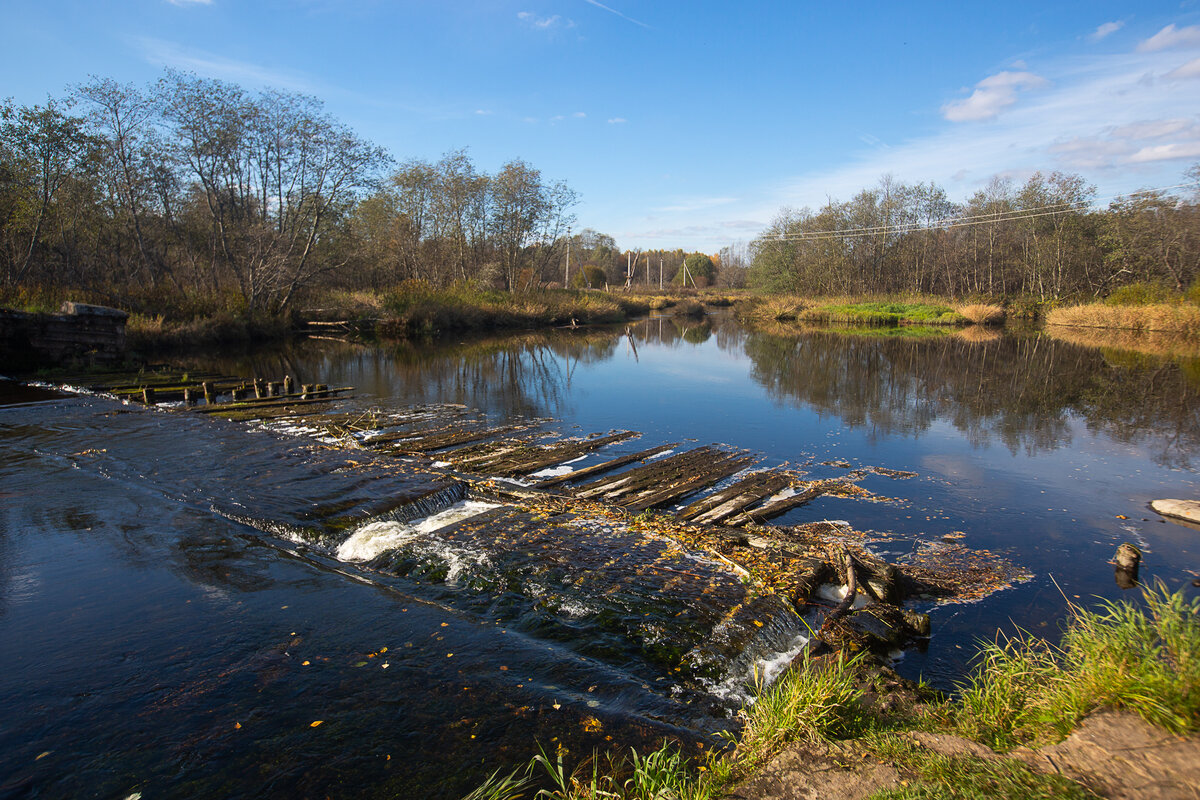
567,270
660,274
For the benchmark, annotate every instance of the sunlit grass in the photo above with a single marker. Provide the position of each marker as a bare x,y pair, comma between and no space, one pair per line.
1146,659
1179,318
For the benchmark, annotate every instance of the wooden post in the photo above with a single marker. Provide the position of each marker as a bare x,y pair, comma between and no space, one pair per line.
239,393
189,398
306,391
287,384
148,396
208,393
273,389
259,392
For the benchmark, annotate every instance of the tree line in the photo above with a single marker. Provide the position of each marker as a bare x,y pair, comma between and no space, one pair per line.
1043,238
197,187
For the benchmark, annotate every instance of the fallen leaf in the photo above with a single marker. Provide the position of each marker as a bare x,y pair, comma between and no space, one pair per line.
315,724
237,725
361,664
42,755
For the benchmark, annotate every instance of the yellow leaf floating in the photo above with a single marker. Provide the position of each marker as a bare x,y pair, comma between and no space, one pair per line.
42,755
315,724
237,725
305,664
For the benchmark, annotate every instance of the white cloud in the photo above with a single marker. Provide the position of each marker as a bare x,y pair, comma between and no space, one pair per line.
579,115
617,121
1166,152
1189,70
1106,29
992,95
1171,37
182,3
483,112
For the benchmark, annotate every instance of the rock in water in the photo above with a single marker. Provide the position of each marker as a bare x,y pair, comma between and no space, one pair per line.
1126,561
1180,509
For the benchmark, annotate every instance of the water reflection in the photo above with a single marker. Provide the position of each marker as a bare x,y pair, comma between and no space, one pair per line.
1021,390
1018,389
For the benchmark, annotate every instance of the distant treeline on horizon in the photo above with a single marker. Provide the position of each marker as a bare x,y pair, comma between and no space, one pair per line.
195,186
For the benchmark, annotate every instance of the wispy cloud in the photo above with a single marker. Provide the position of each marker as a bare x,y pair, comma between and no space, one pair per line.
1170,38
579,115
991,96
544,23
1189,70
1107,29
171,54
614,11
617,121
484,112
1098,114
182,3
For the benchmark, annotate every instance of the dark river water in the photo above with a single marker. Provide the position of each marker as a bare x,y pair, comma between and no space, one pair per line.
173,620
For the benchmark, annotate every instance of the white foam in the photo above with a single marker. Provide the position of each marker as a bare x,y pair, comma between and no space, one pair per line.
663,454
374,538
836,593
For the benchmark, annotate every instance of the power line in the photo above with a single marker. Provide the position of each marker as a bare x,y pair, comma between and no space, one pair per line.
963,221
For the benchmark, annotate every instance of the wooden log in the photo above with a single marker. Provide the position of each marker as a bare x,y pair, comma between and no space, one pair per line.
440,442
652,477
770,510
722,469
541,458
600,469
644,475
726,502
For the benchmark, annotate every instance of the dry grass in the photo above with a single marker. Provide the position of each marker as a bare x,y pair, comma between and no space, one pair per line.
1179,318
1150,343
978,334
983,313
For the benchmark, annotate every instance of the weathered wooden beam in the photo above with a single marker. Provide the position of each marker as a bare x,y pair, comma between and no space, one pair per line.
541,458
722,469
774,509
729,501
600,469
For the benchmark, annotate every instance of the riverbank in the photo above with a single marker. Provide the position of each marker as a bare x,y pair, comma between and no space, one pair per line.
1031,720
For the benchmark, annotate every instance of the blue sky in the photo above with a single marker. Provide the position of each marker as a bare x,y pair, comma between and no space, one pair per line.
683,124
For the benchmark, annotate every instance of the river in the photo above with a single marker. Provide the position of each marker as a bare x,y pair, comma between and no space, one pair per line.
171,624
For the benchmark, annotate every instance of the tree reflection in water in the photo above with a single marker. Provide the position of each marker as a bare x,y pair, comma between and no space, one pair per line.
1022,390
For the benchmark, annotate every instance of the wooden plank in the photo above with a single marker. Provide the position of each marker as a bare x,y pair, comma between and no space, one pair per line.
558,453
783,505
443,441
723,469
758,485
644,475
600,469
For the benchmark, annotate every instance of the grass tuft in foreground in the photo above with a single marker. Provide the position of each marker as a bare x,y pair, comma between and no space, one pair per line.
1026,691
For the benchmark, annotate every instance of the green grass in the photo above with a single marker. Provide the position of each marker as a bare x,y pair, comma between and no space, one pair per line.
884,313
1146,659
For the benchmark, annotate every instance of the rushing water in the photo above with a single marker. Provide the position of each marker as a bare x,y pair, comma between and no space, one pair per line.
181,598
